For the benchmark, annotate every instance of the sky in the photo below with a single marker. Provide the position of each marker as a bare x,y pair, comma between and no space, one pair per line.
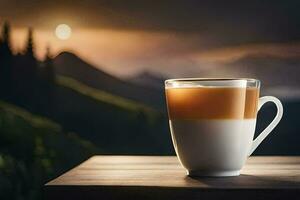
170,37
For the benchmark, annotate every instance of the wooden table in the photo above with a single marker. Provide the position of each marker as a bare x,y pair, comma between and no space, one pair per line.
162,177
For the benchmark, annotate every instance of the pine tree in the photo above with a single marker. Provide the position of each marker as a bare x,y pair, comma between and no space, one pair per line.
30,46
5,61
5,36
5,49
49,69
29,67
31,62
27,75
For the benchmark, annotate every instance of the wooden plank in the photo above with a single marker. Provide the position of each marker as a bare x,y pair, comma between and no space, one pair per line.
152,176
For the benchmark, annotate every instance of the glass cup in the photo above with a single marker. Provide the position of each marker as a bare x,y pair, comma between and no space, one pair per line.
212,123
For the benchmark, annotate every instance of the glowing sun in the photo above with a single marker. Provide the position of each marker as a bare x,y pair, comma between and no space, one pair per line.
63,31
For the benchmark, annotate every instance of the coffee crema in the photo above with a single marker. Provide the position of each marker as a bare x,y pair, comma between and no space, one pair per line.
212,103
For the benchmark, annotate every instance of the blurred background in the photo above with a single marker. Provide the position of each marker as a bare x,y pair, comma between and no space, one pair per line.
79,78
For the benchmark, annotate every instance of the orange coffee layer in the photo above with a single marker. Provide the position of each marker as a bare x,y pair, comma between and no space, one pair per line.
212,103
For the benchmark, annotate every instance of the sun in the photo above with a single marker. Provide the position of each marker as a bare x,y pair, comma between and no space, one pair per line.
63,31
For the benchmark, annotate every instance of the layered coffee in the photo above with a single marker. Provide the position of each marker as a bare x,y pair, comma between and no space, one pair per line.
212,103
204,120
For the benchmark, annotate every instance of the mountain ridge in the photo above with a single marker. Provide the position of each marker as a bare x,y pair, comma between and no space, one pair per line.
69,64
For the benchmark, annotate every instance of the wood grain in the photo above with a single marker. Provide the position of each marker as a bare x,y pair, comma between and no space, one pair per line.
153,177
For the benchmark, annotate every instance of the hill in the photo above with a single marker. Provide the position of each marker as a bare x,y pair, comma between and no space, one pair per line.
149,79
123,128
115,124
70,65
272,71
279,76
105,97
33,150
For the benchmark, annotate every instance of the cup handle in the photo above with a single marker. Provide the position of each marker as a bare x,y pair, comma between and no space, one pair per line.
272,125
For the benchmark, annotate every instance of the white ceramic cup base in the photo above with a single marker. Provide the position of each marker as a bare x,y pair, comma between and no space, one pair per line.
213,173
216,146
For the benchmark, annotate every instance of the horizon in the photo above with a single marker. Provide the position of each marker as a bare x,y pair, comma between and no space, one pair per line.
216,62
125,39
214,56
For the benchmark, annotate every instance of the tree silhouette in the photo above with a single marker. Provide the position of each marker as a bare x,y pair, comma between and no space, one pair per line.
5,61
23,79
25,75
46,85
30,46
31,62
49,69
5,38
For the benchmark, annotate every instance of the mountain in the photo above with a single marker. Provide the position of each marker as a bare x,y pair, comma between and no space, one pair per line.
279,76
68,64
271,71
113,123
149,80
93,104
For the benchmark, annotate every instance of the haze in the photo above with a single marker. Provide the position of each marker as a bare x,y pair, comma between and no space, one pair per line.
168,37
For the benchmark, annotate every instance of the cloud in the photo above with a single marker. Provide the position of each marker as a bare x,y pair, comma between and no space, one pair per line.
283,92
227,23
127,52
231,54
118,52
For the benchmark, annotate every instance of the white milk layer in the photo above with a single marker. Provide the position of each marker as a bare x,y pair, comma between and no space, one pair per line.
212,145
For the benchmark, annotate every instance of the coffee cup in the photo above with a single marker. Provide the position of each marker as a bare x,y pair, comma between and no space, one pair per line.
212,123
